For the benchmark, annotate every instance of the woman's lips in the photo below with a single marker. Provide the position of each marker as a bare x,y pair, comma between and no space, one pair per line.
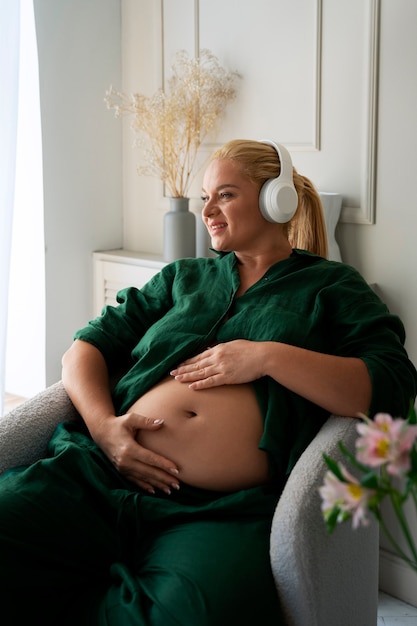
215,228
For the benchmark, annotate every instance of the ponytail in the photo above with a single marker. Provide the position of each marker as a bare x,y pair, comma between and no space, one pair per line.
307,229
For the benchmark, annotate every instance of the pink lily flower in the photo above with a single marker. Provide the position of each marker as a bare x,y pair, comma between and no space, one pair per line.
349,497
385,440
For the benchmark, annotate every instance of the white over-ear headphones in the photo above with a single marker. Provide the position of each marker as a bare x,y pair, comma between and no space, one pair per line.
278,198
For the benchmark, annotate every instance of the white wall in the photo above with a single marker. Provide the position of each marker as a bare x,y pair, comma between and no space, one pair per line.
79,46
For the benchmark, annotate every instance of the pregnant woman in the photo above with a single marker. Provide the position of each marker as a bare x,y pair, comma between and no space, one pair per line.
156,509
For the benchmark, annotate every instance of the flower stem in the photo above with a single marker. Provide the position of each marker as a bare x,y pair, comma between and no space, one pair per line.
394,544
414,495
396,502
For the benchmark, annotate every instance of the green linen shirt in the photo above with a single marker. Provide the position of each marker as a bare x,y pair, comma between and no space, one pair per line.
304,301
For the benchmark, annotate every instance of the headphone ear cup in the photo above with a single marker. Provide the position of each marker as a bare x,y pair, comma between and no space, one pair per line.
278,198
278,201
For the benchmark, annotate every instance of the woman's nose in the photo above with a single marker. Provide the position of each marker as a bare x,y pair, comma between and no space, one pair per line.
209,208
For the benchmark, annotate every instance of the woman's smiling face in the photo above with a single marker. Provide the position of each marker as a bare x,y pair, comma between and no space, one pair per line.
231,207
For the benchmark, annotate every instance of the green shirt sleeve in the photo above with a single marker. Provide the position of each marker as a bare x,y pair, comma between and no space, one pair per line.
119,329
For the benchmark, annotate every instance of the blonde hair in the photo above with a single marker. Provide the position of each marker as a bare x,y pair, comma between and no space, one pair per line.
260,162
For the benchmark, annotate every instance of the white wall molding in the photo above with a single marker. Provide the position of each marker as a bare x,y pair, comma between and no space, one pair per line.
365,213
396,578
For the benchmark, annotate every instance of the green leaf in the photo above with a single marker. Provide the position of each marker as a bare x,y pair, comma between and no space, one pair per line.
412,417
334,468
412,473
332,519
351,457
374,504
370,480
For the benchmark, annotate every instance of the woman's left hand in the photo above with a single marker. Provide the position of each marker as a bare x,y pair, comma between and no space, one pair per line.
341,385
230,363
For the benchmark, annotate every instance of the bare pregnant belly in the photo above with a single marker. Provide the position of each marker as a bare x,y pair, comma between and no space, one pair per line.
211,434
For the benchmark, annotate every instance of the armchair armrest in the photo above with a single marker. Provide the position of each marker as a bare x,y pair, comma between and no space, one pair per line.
26,430
323,579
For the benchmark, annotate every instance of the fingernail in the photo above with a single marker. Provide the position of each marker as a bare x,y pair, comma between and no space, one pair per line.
157,421
174,471
175,486
173,372
167,490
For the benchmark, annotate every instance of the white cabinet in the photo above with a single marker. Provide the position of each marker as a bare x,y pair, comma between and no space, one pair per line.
116,269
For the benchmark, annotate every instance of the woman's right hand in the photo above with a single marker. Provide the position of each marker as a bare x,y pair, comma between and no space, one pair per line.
116,436
86,380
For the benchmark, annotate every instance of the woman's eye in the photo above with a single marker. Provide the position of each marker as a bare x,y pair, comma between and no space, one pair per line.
224,195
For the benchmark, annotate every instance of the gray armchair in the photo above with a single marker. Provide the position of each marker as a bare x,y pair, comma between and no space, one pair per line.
322,580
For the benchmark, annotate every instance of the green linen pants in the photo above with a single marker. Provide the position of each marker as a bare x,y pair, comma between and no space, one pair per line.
79,546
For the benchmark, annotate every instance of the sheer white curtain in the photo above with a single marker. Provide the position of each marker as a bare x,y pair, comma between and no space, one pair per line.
25,354
9,81
22,269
